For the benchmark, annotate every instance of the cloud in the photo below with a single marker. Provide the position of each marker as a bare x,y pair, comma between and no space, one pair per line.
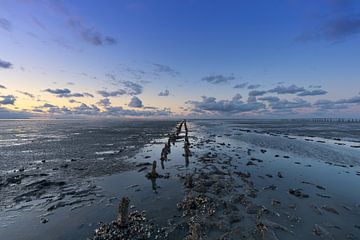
164,93
269,99
66,93
132,87
254,86
160,68
2,86
48,105
5,24
10,114
315,92
7,100
334,30
255,93
90,34
286,104
241,85
217,79
27,94
58,91
135,102
337,104
233,106
292,89
106,94
38,23
111,76
104,102
5,64
121,112
73,101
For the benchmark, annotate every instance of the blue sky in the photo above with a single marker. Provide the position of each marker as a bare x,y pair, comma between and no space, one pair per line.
137,58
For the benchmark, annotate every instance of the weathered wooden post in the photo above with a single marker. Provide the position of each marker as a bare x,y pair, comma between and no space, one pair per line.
122,219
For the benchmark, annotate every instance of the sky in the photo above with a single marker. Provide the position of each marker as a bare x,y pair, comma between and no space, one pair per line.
179,58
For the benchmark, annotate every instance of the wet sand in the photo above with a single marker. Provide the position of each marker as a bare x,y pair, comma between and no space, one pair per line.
239,183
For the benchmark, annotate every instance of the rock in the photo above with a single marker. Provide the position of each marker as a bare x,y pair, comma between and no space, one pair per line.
330,209
298,193
250,163
322,232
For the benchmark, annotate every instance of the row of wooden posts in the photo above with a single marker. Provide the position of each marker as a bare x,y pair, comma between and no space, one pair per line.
123,210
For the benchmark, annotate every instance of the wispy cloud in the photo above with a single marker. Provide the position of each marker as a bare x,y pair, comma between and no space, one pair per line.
241,85
107,94
66,93
160,68
253,86
27,94
90,34
334,30
292,89
217,79
315,92
5,24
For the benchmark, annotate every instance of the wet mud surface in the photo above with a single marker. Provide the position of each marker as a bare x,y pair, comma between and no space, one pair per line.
233,182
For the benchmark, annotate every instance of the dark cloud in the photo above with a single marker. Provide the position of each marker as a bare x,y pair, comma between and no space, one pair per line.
5,64
117,93
160,68
135,102
253,86
58,91
233,106
27,94
334,30
269,99
256,93
337,104
48,105
164,93
315,92
286,104
292,89
90,34
84,109
2,86
7,100
66,93
241,85
86,94
217,79
73,101
104,102
5,24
